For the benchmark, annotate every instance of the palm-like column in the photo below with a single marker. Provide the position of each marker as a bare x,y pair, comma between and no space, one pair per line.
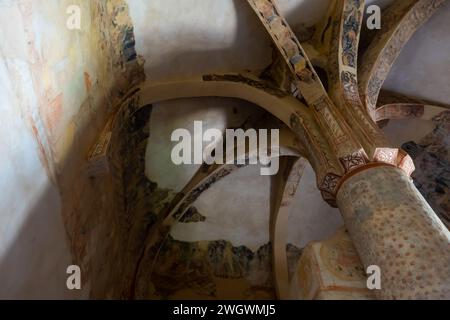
356,159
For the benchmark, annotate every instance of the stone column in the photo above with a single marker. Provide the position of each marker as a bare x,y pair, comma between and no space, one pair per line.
392,226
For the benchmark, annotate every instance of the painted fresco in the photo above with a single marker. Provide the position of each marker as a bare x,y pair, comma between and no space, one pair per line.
211,270
432,159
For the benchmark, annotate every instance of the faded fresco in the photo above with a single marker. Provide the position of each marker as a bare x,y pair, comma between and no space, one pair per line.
432,159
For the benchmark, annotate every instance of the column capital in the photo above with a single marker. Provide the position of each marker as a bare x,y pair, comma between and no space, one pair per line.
358,162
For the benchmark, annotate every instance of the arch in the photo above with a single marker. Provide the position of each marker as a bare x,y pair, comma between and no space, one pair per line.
401,20
249,88
283,189
292,112
203,179
396,111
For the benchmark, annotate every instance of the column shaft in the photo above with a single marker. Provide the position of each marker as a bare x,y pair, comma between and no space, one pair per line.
393,227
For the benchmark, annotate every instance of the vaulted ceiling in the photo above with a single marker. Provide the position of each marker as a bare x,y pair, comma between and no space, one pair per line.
192,37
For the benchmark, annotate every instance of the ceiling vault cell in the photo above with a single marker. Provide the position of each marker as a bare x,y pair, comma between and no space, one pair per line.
400,21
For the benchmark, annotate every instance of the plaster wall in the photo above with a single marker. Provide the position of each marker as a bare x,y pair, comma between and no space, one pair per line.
34,62
56,91
29,208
